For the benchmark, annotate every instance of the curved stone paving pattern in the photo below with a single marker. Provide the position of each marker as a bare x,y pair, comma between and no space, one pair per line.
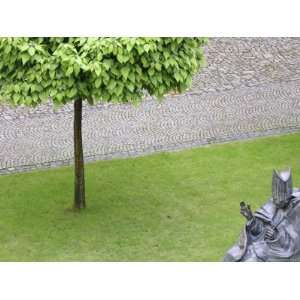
241,62
179,122
251,87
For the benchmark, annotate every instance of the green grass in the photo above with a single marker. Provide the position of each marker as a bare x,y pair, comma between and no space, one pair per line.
180,206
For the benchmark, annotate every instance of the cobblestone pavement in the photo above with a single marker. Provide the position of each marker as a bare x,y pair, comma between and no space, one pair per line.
250,87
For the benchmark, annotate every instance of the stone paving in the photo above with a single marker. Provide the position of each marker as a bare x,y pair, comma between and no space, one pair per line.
250,87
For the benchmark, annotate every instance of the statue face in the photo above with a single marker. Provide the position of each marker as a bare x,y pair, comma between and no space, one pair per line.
280,203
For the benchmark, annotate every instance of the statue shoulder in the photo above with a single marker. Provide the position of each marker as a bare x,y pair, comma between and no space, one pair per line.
295,201
296,194
267,211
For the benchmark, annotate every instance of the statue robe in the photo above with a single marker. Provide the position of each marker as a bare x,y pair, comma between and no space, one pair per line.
253,246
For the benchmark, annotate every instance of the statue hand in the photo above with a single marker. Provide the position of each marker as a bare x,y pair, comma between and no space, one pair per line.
270,233
245,210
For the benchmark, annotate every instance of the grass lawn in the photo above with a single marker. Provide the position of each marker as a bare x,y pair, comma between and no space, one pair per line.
180,206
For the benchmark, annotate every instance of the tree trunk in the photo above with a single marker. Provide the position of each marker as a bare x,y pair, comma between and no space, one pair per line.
79,192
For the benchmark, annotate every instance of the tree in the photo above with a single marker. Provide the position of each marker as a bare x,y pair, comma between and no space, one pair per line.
94,69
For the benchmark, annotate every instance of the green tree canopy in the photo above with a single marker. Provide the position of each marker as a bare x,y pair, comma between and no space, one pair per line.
107,69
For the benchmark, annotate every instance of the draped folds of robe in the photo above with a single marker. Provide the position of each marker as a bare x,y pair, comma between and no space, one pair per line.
254,246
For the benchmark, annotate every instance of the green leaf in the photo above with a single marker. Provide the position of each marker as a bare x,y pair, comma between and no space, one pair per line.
72,93
53,93
130,86
166,55
105,78
16,98
90,101
59,97
98,82
111,85
140,49
107,63
25,57
52,74
119,89
172,61
183,74
76,69
130,45
97,69
161,90
153,80
120,58
132,77
125,71
69,71
28,101
16,88
43,95
7,49
32,87
53,66
158,67
31,51
147,47
144,62
177,77
24,47
151,71
114,70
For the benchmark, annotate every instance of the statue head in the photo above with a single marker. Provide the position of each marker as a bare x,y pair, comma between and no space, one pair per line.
282,188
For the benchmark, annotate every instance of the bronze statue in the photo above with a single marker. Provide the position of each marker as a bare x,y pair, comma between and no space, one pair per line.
272,233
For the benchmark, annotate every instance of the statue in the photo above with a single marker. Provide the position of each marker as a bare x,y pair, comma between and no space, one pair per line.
272,233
